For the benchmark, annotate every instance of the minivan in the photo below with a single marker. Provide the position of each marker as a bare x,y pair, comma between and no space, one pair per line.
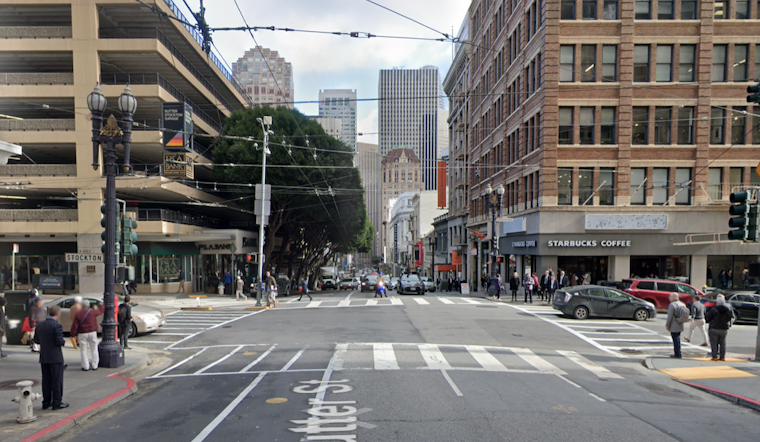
658,291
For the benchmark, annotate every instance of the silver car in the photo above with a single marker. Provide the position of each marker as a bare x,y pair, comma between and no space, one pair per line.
144,319
429,283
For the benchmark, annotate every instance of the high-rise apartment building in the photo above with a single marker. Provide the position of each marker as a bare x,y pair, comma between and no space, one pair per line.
54,53
618,129
411,114
267,77
368,163
332,126
340,104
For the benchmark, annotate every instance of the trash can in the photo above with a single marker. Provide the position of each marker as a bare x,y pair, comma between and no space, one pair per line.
220,288
15,312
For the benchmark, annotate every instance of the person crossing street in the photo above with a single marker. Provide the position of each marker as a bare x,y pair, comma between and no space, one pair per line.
303,289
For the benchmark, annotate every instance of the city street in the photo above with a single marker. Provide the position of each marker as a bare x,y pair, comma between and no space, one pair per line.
411,368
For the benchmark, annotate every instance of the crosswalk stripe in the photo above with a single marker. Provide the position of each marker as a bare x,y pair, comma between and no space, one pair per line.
433,357
220,360
446,301
598,370
293,359
396,301
536,361
161,333
385,358
344,303
421,301
372,302
485,359
469,301
259,359
339,356
313,304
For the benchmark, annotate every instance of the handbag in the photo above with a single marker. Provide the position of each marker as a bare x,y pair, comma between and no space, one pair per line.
25,338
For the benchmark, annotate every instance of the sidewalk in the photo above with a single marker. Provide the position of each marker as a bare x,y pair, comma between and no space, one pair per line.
736,380
85,392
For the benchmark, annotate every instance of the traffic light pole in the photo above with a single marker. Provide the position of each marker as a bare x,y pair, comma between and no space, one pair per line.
264,153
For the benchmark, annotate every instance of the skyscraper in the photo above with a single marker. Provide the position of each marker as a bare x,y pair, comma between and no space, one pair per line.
340,104
267,77
368,163
411,114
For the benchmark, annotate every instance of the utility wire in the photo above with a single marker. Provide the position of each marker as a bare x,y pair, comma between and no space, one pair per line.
409,18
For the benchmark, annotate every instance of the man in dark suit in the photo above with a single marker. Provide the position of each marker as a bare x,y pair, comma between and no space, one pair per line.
49,336
563,280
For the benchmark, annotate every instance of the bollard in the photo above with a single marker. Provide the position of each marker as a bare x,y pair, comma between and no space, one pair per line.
25,399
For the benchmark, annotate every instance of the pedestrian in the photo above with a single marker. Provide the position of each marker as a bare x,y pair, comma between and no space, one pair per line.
745,278
514,285
84,327
270,284
574,279
722,279
528,283
544,283
730,279
3,326
697,321
720,318
228,283
125,322
678,315
49,336
303,289
497,283
551,288
239,289
564,281
709,276
37,314
7,278
181,281
450,283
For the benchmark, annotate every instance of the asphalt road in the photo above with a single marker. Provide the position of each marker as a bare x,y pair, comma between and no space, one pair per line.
412,369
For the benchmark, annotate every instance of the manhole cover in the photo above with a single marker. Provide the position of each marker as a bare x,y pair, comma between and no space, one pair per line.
11,385
487,306
665,391
606,330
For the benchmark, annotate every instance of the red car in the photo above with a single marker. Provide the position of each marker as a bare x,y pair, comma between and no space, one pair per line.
658,291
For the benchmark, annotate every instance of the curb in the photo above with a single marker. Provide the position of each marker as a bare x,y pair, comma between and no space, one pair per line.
733,398
199,309
647,362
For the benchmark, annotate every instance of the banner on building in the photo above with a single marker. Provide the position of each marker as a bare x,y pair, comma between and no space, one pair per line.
178,165
441,184
177,123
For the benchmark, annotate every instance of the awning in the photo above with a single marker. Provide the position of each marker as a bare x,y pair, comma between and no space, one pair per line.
445,268
167,248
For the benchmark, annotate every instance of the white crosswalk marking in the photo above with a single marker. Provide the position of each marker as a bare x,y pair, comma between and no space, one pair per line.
259,359
433,357
396,301
293,360
220,360
538,362
470,301
421,301
485,359
344,303
372,302
598,370
313,304
446,301
385,358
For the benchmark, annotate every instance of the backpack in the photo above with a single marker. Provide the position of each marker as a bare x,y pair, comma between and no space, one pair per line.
682,314
122,316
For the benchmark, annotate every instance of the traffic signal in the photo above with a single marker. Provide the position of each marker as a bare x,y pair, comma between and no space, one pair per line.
128,237
103,234
754,92
745,218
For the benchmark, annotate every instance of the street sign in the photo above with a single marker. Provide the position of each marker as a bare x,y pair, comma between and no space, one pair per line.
262,207
84,257
265,194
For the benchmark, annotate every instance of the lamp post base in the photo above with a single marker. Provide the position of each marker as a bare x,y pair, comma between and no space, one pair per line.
111,355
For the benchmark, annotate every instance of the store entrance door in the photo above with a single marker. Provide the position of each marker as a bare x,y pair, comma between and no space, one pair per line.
587,269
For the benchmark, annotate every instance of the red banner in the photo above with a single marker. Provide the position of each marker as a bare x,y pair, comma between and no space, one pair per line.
441,184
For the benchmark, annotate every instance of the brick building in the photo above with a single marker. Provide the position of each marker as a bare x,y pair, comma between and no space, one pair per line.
401,173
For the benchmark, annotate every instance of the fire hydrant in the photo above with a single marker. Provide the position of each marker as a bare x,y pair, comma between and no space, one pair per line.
25,399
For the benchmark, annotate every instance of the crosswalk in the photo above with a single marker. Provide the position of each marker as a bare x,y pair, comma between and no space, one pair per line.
414,301
182,325
232,360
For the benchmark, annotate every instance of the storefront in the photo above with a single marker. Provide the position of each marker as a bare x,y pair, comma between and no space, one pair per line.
37,258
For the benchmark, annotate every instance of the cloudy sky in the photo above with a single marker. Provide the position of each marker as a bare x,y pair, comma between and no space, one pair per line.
332,62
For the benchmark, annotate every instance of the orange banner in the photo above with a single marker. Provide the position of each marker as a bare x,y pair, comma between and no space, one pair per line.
456,258
441,184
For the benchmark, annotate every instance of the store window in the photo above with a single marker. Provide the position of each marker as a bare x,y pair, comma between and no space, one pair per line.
585,185
565,186
660,267
660,182
606,186
638,183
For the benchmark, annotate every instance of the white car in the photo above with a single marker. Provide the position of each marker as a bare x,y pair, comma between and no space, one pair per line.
429,283
144,319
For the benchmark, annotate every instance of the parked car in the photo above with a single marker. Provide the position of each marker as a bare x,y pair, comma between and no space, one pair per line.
745,306
283,285
144,319
658,291
393,283
584,301
347,284
411,284
368,283
429,284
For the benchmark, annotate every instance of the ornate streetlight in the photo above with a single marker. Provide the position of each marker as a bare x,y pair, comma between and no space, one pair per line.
494,201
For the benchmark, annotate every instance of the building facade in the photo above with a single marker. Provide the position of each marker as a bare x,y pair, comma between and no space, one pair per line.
54,53
267,77
401,173
411,112
401,240
618,129
369,165
332,126
340,104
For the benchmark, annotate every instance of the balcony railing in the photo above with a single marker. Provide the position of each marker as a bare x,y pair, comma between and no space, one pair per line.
161,81
39,215
35,32
38,170
36,78
176,217
40,125
144,170
136,32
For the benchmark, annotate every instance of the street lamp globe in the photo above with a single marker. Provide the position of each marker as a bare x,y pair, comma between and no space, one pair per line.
127,101
500,190
96,101
489,189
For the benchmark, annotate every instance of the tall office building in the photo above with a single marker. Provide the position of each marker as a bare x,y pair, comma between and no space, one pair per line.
332,126
341,105
267,77
412,114
368,163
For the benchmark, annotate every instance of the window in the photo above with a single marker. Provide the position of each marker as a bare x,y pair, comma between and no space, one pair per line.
738,125
660,185
607,127
686,125
757,53
715,183
640,130
717,123
588,63
565,125
568,9
589,9
755,126
664,63
742,9
638,190
683,186
586,125
585,184
686,63
606,186
740,62
641,62
721,9
609,63
719,63
566,63
665,10
645,285
736,176
610,11
666,287
565,186
662,122
688,9
643,9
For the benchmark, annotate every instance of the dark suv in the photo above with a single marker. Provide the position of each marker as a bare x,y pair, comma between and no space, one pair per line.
658,291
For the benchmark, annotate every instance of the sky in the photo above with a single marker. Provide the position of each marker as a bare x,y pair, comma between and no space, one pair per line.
333,62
